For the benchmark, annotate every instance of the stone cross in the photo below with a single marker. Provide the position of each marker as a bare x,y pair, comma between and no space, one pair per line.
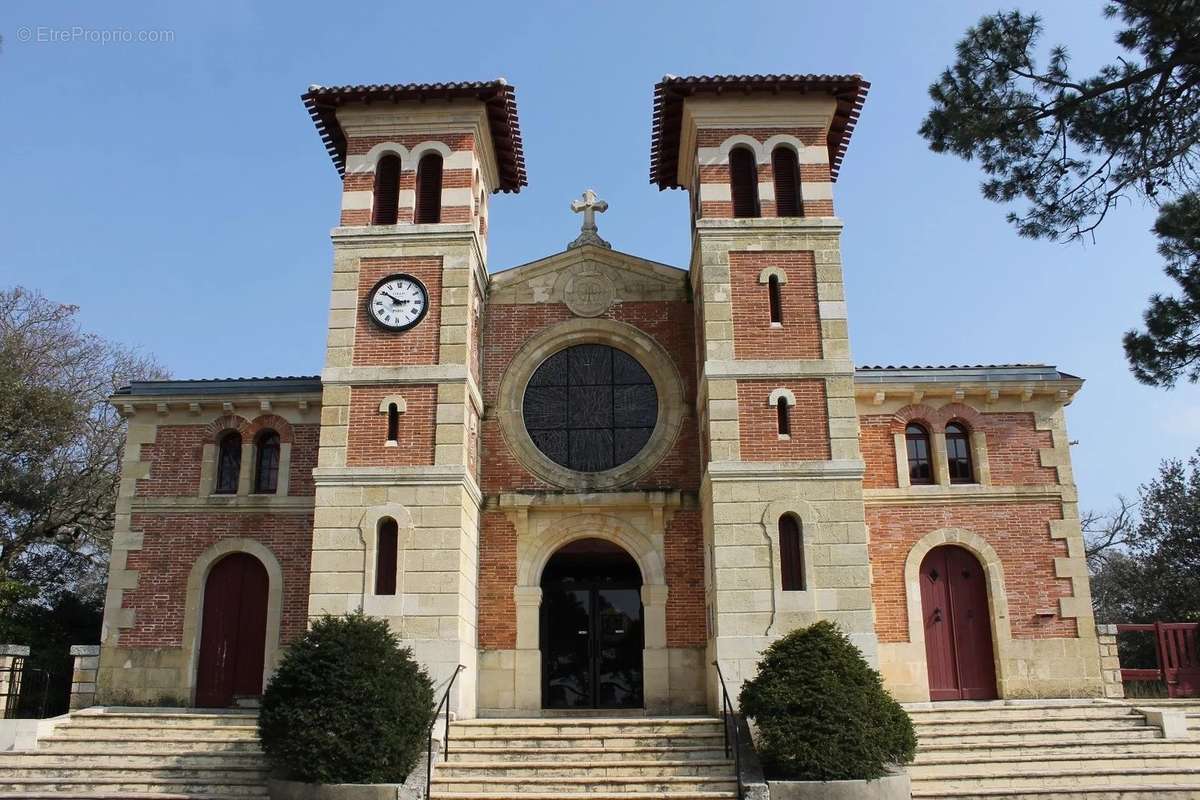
589,205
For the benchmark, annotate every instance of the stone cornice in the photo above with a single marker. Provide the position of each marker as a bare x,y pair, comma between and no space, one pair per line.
218,504
962,494
431,475
404,375
438,235
849,469
258,402
783,368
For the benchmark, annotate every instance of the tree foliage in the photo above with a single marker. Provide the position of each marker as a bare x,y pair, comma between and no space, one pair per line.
348,705
60,445
1153,573
822,713
1064,149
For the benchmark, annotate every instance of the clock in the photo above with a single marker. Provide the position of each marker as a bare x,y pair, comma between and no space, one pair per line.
397,303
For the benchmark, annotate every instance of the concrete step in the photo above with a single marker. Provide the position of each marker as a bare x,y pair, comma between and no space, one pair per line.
1077,778
610,784
87,771
1033,733
640,726
1114,714
571,740
954,750
107,760
121,744
951,768
585,768
156,717
632,794
591,754
1127,792
106,795
123,786
142,730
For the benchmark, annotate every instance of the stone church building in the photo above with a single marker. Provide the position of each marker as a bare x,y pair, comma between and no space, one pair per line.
587,478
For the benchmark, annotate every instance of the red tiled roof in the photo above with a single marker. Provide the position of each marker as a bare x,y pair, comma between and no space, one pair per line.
669,94
499,97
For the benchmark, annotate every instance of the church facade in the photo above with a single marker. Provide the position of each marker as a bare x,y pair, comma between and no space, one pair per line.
588,478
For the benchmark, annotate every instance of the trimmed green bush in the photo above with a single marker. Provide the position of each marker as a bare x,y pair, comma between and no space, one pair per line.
348,705
822,713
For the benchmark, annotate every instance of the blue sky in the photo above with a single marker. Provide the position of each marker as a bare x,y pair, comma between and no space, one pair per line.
176,191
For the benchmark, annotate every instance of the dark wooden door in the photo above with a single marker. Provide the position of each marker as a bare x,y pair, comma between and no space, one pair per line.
233,632
958,631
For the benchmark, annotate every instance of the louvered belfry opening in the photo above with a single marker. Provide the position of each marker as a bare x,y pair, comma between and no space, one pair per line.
743,182
429,189
786,168
387,191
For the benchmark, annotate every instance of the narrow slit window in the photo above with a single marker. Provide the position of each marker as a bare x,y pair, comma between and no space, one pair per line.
387,191
958,454
783,415
775,299
791,553
429,190
229,463
920,467
393,422
266,466
786,170
387,557
743,182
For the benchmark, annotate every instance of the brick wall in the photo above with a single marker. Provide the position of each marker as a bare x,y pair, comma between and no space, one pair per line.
753,335
758,423
719,173
174,457
304,459
497,577
878,445
451,178
171,543
683,544
366,444
509,326
375,347
1018,532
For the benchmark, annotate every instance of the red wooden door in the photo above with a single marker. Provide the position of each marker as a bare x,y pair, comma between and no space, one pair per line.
1178,657
958,631
233,632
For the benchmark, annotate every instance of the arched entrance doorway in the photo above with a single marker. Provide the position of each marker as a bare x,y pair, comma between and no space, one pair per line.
958,630
233,632
591,627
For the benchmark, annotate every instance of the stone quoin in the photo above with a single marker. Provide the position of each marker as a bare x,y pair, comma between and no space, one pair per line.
587,477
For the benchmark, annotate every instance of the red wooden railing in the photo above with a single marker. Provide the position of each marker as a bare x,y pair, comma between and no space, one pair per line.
1175,644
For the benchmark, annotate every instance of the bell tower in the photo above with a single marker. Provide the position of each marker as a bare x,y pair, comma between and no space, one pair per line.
781,497
397,482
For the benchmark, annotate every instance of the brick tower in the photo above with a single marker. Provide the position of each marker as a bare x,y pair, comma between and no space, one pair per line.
397,484
784,529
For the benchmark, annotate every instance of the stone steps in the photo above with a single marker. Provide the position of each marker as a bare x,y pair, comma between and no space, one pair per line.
1098,750
109,754
563,758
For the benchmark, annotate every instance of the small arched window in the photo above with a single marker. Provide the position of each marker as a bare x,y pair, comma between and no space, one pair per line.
429,189
775,299
791,553
743,182
387,556
393,432
783,416
387,190
229,463
920,466
266,463
786,170
958,454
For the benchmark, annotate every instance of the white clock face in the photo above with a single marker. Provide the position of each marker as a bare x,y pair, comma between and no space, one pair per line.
397,302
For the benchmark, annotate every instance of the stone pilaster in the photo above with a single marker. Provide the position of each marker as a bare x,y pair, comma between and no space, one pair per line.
86,664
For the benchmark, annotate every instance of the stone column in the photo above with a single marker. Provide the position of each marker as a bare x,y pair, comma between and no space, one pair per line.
528,689
11,655
656,668
83,674
1110,662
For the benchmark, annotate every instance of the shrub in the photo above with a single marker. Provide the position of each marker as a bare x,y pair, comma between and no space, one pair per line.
348,705
822,713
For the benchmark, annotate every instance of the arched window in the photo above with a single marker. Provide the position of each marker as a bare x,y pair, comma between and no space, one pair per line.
387,553
393,413
786,169
775,299
229,463
266,462
429,189
791,553
958,454
920,467
743,182
387,190
783,416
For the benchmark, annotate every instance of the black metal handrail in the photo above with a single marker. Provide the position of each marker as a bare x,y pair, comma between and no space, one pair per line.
444,702
729,715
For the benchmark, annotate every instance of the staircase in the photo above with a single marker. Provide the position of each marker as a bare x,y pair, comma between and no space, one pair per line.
128,754
1036,750
680,758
